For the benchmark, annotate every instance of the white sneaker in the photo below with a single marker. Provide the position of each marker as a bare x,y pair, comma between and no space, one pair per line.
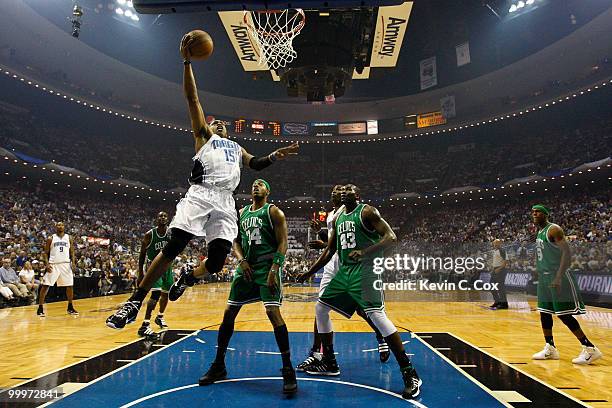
549,353
588,355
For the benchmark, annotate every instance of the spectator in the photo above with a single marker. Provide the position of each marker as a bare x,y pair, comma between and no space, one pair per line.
6,292
26,275
21,259
11,281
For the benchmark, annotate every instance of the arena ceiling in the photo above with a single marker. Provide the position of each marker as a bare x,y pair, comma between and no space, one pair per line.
435,28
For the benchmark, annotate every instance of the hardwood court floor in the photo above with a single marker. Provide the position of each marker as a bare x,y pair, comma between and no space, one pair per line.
31,346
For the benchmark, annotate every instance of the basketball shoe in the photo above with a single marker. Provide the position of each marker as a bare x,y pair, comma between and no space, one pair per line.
216,372
312,357
185,280
289,380
412,382
588,355
550,352
125,315
326,366
161,322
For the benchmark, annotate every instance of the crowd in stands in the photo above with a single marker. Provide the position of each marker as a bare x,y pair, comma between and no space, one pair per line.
536,145
28,215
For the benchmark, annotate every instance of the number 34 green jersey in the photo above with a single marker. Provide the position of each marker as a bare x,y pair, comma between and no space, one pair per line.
256,233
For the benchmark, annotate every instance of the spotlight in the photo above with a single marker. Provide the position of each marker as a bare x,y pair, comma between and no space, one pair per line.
520,4
128,13
529,2
135,17
119,11
121,2
131,5
512,8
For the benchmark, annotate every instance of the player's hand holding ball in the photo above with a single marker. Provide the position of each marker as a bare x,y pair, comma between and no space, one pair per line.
196,45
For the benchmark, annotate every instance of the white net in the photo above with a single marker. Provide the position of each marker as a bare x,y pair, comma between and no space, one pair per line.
274,32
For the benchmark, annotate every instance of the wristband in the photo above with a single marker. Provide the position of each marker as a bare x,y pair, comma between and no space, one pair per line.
272,156
279,259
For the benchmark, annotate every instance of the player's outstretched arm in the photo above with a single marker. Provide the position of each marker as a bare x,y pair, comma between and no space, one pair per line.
324,258
260,163
201,130
373,221
141,256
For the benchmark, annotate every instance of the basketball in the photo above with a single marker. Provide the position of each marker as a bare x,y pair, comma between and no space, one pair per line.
201,46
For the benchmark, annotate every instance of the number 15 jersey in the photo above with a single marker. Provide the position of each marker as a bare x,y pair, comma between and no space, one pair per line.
217,163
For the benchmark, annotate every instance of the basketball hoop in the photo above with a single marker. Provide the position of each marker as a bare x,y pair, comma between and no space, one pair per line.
273,32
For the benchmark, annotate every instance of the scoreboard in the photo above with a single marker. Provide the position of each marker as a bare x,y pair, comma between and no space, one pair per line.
275,128
257,127
239,125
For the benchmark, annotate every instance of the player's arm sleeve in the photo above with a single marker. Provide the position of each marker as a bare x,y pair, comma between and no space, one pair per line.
256,163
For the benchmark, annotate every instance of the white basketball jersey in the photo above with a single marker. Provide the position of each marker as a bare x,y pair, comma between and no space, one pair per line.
333,264
218,163
60,249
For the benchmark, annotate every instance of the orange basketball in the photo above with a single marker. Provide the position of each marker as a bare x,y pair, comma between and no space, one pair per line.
201,45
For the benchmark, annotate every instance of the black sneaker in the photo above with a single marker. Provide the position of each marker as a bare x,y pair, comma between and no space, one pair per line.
412,383
312,357
289,380
72,311
125,315
40,312
146,331
383,351
327,367
159,320
216,372
501,306
180,286
494,306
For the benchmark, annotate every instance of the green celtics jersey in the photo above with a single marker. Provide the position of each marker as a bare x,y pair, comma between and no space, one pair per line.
352,235
157,243
256,234
548,254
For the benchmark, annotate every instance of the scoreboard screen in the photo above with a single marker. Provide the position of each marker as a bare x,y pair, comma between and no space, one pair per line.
239,125
274,128
257,127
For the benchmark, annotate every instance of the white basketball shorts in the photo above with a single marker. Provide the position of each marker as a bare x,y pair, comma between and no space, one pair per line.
208,212
60,273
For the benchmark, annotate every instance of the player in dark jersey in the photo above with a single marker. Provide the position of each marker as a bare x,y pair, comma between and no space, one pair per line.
557,289
153,242
260,248
329,271
360,234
